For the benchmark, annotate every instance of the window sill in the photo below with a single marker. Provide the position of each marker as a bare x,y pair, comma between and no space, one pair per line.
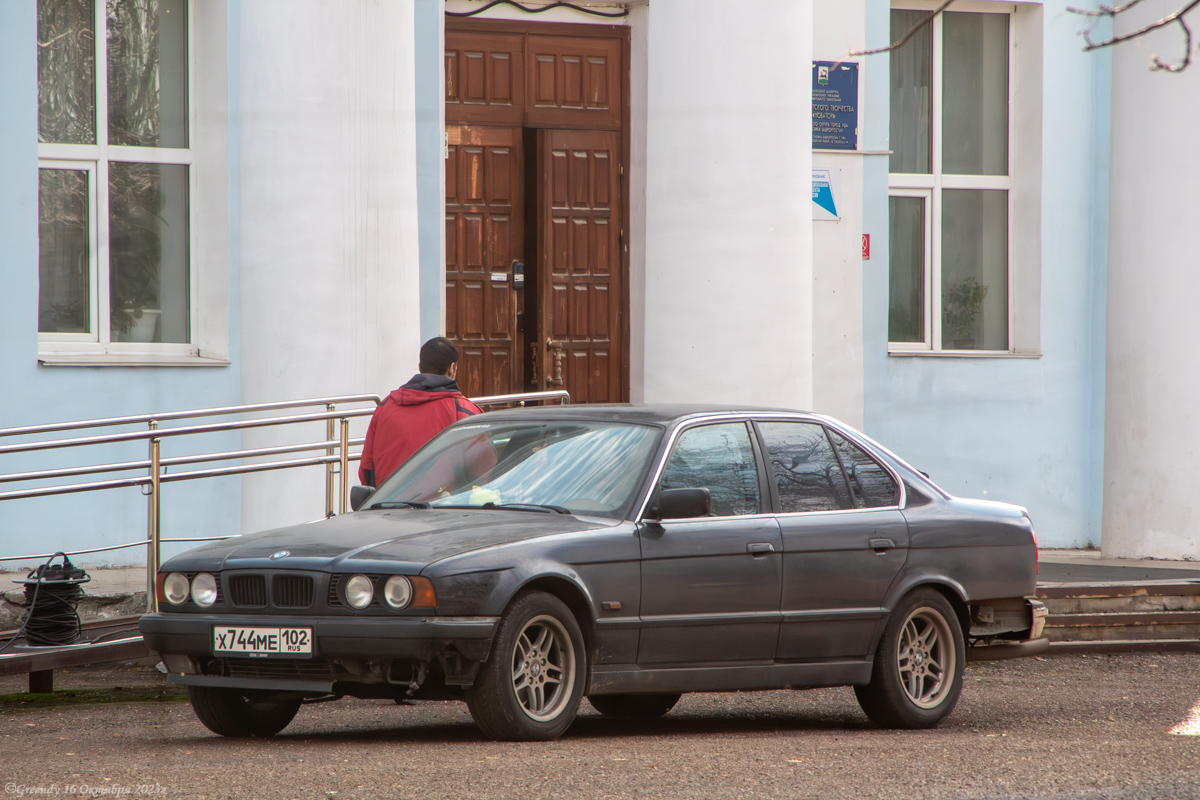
959,354
129,360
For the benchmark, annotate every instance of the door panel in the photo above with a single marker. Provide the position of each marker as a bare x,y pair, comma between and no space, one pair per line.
484,235
485,78
835,582
839,555
710,586
574,82
578,271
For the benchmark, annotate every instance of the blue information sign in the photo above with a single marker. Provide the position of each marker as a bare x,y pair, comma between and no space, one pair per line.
835,105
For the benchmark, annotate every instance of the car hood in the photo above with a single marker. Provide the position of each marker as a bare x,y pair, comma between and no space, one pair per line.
404,539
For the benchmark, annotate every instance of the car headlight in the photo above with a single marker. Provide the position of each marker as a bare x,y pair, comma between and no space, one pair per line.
204,590
175,588
397,591
359,591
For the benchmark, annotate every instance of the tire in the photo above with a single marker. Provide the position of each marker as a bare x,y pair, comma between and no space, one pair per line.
917,676
633,706
243,712
531,686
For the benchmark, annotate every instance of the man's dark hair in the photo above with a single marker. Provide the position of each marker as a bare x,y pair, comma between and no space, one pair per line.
437,355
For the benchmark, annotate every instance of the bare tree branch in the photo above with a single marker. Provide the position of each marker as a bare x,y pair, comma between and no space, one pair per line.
913,31
1156,63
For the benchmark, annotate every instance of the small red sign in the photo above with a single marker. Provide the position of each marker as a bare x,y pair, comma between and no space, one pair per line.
866,246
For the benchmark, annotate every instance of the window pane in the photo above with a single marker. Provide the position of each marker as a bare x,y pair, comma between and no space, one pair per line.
148,252
906,269
147,73
66,71
974,269
975,94
64,268
806,471
719,458
912,71
873,486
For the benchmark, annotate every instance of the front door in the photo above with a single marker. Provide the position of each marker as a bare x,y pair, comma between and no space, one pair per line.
535,116
710,586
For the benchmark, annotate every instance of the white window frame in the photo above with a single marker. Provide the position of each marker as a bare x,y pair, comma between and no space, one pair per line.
931,185
97,346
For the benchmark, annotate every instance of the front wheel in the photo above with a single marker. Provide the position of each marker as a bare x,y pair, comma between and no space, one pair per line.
243,712
917,676
530,687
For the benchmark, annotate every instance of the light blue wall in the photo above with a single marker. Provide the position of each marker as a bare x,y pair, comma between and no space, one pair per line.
1022,430
427,25
34,394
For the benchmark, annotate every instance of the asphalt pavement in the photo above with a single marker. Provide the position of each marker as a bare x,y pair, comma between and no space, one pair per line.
1111,727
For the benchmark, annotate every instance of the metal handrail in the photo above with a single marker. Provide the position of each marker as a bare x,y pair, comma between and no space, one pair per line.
336,459
202,412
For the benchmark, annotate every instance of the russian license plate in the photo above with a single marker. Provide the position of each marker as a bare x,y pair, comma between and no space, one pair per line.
263,641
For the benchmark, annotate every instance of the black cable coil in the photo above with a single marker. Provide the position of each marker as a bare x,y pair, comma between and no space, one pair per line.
52,594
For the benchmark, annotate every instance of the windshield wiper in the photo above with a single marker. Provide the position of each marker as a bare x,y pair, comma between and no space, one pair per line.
543,508
398,504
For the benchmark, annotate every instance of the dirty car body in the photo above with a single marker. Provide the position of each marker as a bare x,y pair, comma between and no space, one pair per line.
527,558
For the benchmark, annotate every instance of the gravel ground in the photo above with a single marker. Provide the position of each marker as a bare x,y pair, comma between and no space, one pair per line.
1065,727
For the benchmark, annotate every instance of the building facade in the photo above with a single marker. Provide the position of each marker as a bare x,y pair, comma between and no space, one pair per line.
617,199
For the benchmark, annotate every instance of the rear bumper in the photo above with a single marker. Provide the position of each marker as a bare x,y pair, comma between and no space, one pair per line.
1036,643
419,638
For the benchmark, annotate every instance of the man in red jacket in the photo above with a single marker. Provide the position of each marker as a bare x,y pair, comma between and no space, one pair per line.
413,414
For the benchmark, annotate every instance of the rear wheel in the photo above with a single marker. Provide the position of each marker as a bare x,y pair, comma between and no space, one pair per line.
532,683
633,706
917,676
243,712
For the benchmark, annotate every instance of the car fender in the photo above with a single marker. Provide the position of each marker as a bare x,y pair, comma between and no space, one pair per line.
907,582
541,573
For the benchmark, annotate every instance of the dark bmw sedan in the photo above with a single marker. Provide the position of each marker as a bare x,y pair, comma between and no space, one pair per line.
525,559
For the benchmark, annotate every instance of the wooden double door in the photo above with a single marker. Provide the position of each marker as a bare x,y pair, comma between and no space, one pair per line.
535,269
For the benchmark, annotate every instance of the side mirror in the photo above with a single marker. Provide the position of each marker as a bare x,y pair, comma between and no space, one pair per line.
359,495
681,504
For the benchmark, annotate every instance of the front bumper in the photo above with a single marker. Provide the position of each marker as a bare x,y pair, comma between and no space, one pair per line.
419,638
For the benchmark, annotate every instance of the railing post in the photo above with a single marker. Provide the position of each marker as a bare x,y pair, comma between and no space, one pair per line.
153,520
329,473
345,462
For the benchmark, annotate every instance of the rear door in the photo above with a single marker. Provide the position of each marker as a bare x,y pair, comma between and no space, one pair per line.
710,585
844,539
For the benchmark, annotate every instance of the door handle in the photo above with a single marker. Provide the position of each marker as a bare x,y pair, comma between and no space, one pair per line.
556,352
760,548
879,545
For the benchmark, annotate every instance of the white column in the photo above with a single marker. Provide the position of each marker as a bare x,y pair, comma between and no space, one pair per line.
1152,393
728,265
329,269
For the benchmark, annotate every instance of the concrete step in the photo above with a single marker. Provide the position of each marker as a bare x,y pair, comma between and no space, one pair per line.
1162,612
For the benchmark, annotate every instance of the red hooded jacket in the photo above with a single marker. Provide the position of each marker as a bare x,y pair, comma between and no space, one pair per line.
408,418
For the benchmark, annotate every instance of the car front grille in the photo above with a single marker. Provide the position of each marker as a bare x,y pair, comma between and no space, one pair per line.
292,591
277,668
249,591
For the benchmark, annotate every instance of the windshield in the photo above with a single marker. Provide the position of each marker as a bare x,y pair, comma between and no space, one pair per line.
590,468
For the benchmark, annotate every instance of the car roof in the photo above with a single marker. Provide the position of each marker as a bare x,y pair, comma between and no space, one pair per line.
654,413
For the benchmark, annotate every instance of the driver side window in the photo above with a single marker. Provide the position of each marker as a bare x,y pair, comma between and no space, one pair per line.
719,458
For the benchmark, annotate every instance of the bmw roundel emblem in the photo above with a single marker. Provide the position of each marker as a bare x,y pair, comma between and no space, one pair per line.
280,554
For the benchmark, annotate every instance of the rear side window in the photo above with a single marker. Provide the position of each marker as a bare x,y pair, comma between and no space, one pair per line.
871,484
719,458
804,467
